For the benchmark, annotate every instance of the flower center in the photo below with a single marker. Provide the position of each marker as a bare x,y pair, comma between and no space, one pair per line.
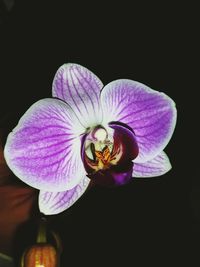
100,149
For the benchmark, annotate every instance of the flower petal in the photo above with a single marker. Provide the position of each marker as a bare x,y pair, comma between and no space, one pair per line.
155,167
44,148
56,202
151,114
80,88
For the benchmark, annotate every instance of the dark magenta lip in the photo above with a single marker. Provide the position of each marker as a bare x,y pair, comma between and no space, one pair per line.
126,137
122,172
112,176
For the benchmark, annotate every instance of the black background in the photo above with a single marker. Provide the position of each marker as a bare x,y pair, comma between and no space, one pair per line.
149,219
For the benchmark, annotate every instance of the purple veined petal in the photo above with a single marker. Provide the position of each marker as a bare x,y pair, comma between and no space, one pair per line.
43,150
80,88
155,167
55,202
151,114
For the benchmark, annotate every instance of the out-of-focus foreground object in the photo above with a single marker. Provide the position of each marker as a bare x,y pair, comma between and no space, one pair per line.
5,7
16,204
43,253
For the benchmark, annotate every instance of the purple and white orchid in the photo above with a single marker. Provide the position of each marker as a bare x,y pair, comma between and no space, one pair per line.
88,132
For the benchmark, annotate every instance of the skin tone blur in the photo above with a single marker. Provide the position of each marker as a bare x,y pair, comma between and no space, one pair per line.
16,203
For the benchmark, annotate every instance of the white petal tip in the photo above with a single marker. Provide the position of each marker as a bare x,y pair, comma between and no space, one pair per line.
158,166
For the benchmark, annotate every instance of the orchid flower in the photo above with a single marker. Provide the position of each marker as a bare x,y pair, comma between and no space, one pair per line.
87,132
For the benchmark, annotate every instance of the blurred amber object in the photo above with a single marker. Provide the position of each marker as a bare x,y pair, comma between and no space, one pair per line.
42,254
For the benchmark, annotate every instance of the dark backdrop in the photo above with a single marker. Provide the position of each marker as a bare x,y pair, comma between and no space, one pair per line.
151,44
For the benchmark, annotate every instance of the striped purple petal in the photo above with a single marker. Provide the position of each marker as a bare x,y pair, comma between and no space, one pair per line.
155,167
56,202
80,88
151,114
44,148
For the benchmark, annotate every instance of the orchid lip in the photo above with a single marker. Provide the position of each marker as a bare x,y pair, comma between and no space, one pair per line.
109,154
